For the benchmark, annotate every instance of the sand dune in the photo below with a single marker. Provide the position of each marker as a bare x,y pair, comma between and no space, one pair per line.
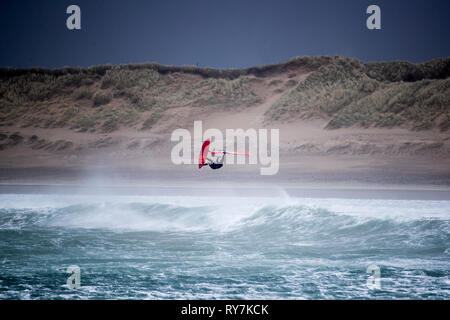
310,152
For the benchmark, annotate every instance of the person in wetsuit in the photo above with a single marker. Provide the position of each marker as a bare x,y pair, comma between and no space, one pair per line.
217,165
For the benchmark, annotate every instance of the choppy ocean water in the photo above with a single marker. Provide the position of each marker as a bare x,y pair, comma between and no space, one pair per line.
143,247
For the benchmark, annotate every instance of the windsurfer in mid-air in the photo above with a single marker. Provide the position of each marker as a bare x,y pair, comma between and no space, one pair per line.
203,159
218,164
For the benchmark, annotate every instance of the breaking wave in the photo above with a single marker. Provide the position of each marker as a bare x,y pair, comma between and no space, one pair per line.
292,221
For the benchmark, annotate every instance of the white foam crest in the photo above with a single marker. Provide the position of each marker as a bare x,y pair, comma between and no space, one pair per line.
164,213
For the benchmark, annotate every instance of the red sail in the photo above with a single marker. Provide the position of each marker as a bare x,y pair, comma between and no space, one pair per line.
203,153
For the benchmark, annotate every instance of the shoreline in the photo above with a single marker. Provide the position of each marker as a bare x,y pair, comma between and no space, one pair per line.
396,182
324,192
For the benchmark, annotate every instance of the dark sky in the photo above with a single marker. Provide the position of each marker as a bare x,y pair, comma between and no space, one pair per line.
220,34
